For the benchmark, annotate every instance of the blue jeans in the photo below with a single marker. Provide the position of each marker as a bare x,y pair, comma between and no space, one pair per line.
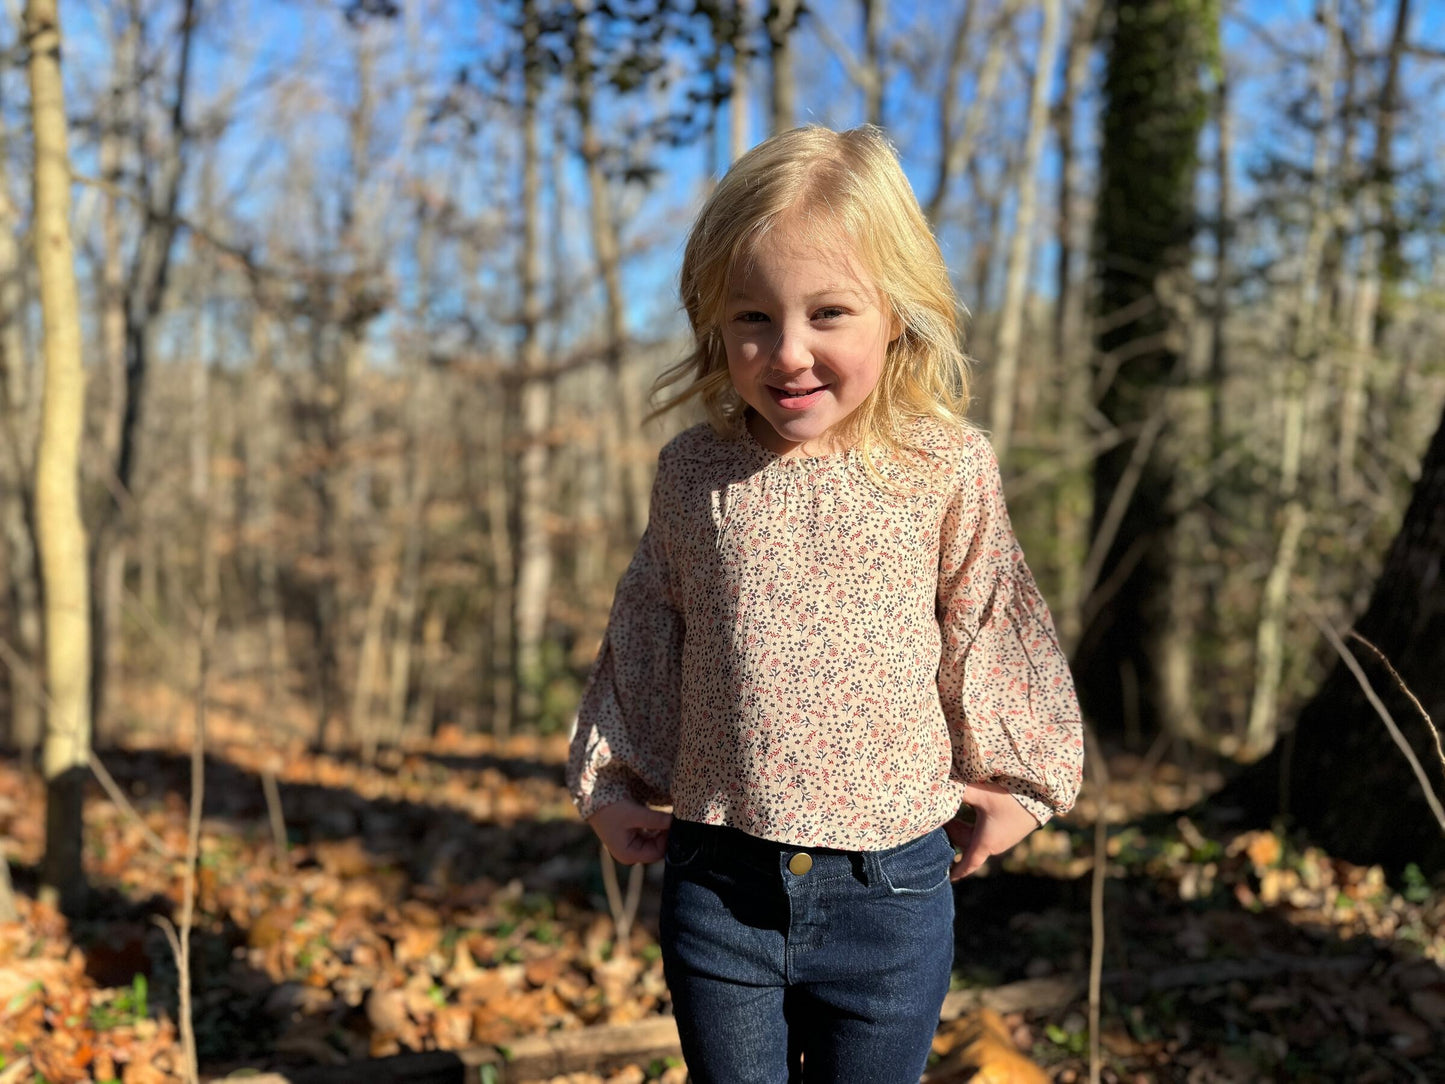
833,974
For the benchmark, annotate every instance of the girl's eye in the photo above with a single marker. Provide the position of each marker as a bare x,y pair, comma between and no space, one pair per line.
832,312
751,317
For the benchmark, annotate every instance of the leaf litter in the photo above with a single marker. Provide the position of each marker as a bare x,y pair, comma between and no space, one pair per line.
446,897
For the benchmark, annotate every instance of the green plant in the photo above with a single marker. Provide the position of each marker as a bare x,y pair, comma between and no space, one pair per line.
127,1007
1076,1043
1417,887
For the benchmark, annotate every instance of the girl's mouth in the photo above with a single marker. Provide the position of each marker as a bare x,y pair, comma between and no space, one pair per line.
797,400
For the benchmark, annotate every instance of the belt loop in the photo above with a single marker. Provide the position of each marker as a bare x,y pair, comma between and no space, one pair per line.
872,873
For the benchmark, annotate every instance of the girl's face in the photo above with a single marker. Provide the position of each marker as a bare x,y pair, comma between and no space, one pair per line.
806,335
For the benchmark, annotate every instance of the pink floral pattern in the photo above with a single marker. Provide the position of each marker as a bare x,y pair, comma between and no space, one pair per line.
803,655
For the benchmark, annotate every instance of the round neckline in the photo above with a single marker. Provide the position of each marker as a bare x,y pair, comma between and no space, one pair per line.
841,456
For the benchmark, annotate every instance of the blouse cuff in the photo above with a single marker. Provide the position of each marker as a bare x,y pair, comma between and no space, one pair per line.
1041,810
611,787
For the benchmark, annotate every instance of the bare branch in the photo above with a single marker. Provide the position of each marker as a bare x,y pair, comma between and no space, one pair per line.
1348,658
1400,682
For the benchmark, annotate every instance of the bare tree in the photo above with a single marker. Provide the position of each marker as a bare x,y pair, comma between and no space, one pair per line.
620,426
60,531
1259,733
1380,261
875,17
533,550
1382,172
19,418
147,280
955,149
1011,317
781,20
1071,368
740,101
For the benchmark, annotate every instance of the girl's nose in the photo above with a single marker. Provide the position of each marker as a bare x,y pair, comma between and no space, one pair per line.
791,353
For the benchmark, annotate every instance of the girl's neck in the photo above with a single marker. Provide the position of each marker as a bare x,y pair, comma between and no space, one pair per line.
824,447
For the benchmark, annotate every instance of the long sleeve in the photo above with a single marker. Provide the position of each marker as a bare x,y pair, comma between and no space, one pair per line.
1003,679
627,722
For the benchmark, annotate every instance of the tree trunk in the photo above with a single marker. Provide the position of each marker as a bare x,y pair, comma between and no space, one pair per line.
1154,109
532,549
1011,318
24,626
368,663
263,419
1072,496
1379,265
1068,303
1337,773
781,19
18,417
1211,627
875,17
621,426
955,152
739,130
433,629
1260,727
57,500
1392,264
147,280
109,554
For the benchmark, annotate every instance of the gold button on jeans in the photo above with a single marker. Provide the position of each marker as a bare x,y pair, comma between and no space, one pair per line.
800,863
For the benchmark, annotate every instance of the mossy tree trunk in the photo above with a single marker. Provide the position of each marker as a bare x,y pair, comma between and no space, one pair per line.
1155,105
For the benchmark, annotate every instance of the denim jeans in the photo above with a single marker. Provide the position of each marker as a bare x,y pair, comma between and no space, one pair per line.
833,974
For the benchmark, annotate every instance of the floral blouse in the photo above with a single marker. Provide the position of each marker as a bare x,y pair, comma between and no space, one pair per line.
814,659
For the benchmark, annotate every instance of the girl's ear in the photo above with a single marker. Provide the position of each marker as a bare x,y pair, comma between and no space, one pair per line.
895,326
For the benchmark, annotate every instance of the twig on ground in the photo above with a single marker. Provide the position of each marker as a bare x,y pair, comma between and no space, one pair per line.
180,939
8,910
623,911
112,789
277,818
1100,779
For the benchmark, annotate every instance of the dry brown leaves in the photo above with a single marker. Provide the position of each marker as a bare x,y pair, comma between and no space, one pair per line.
49,1012
444,899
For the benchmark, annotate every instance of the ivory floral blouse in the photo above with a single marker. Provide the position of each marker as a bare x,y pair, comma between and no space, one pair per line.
803,655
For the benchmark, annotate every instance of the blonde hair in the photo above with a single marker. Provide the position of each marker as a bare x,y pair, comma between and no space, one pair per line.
835,187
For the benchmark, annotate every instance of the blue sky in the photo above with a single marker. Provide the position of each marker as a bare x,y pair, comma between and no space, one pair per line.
306,46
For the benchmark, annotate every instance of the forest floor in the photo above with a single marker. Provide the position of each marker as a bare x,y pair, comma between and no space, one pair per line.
447,898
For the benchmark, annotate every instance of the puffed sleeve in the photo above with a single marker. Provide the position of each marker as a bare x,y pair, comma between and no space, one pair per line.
1003,679
627,722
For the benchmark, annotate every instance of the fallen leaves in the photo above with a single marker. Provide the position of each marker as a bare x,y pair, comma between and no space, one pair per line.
57,1025
980,1047
445,899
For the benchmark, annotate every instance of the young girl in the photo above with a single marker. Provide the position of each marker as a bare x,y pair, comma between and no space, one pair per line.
827,640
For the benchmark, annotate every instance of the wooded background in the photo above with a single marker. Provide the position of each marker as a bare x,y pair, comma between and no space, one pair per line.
370,296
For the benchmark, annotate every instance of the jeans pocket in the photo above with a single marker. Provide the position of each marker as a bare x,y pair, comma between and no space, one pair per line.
686,844
919,867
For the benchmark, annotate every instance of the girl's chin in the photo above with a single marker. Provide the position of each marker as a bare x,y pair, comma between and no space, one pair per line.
785,436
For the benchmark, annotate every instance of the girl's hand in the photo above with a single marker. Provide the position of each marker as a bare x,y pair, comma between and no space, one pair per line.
999,823
631,832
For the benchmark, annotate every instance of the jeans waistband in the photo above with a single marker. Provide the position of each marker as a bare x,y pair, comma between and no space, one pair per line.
724,841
